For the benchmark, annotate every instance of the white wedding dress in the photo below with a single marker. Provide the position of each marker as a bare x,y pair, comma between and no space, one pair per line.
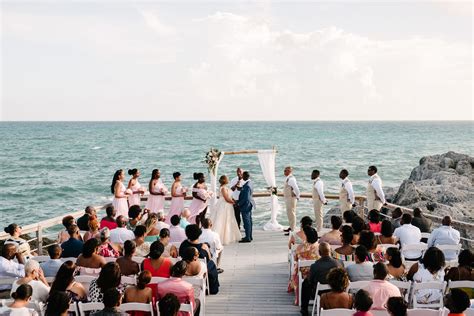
223,220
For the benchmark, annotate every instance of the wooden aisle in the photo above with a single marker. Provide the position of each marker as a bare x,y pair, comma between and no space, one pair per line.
255,278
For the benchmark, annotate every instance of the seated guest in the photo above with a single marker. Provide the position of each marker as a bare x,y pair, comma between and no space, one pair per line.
112,299
374,221
106,248
396,306
151,233
430,269
457,301
445,235
63,234
347,235
358,225
338,297
317,273
126,263
134,217
334,236
386,233
109,278
348,216
22,297
195,267
420,221
22,245
93,231
64,282
464,271
51,267
397,218
170,249
176,285
120,234
109,221
379,288
362,303
396,268
8,267
89,257
73,246
35,278
211,238
299,237
57,304
161,221
307,251
139,293
177,233
408,234
83,221
367,239
184,220
169,305
143,247
155,263
362,270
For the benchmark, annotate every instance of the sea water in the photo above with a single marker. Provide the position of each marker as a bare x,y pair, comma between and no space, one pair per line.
51,168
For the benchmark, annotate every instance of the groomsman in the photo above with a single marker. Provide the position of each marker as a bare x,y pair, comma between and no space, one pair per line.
291,192
236,185
318,199
375,195
346,194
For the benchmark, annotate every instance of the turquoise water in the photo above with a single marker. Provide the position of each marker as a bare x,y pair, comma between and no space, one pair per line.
50,168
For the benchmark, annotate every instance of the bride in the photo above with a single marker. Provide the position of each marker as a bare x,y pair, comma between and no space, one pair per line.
223,218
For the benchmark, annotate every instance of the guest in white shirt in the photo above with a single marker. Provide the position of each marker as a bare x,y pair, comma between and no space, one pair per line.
161,222
177,233
362,270
51,267
375,194
408,234
235,185
212,238
346,193
8,267
121,234
35,278
445,235
318,199
291,193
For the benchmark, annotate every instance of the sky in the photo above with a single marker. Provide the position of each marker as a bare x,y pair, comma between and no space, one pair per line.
236,60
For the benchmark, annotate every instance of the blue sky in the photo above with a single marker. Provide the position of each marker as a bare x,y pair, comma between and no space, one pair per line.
183,60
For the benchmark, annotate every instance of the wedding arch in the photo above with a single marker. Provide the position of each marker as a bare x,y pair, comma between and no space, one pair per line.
266,159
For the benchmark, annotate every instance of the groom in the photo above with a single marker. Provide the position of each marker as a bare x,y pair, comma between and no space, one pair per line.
246,205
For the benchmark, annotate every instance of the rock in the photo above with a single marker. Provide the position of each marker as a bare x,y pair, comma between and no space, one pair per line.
464,167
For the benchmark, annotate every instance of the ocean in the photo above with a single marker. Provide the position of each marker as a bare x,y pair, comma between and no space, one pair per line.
51,168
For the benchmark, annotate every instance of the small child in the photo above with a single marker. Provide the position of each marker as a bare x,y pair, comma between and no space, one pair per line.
363,303
396,306
457,301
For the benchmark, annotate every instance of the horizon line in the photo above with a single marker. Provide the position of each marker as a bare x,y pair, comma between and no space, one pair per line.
223,121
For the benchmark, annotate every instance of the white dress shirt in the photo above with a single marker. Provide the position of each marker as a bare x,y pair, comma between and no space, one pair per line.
236,193
409,235
160,225
40,290
291,181
10,269
376,183
445,235
51,267
120,235
319,186
347,185
213,239
177,234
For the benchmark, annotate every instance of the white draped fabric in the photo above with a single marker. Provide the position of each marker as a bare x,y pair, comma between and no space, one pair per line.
213,176
267,163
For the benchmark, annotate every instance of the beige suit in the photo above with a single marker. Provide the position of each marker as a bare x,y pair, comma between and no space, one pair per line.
373,201
344,202
318,209
290,202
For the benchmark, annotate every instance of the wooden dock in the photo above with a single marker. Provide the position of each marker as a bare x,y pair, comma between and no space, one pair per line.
255,278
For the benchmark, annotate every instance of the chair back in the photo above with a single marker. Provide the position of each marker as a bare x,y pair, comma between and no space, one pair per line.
40,259
132,307
357,285
378,312
110,259
420,248
128,280
402,285
85,280
337,312
137,259
441,286
386,246
424,312
88,307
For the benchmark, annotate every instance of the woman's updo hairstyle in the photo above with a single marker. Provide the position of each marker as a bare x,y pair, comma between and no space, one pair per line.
198,175
10,229
132,172
176,175
143,279
156,250
311,234
223,180
23,292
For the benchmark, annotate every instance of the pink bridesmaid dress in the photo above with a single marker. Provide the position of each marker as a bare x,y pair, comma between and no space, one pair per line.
156,203
135,199
177,204
120,204
197,206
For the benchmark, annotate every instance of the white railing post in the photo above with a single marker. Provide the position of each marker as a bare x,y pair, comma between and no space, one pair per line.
39,240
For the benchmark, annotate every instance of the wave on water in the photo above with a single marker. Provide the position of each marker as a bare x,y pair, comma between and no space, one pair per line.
96,147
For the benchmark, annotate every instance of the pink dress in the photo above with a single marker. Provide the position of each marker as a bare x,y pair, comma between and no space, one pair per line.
134,199
120,204
197,206
156,203
177,204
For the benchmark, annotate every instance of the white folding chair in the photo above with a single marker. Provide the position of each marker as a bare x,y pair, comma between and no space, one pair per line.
137,259
337,312
40,259
402,285
459,284
357,285
200,284
69,259
302,264
386,246
182,308
204,260
132,307
73,309
441,286
424,312
450,251
379,312
291,259
7,281
425,235
128,280
85,280
317,299
89,307
110,259
419,248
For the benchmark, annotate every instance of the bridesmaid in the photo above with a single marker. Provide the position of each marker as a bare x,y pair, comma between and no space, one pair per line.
135,187
198,207
156,199
120,193
178,193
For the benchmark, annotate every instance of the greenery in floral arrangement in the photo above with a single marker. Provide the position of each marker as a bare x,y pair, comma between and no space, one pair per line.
211,159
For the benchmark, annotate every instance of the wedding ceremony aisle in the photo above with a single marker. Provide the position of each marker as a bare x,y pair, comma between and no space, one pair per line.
255,278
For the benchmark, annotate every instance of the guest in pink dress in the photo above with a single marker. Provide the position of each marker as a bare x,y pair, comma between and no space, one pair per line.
178,193
201,196
120,193
135,187
156,199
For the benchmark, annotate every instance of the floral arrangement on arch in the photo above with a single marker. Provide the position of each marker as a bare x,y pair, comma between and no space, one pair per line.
212,157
